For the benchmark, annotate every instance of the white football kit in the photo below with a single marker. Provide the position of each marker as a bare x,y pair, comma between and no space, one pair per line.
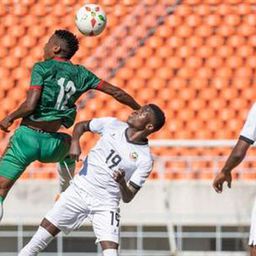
248,134
94,194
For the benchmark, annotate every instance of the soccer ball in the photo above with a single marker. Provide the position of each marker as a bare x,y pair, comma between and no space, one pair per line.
91,20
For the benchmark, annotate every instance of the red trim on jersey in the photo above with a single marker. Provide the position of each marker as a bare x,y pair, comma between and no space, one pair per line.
99,85
35,87
61,59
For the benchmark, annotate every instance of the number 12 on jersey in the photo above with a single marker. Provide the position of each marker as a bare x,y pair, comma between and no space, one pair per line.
66,91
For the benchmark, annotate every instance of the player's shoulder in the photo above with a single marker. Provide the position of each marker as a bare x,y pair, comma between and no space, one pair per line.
112,121
42,64
82,68
146,154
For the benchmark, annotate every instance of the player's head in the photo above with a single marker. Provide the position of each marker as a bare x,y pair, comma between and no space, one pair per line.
149,118
62,44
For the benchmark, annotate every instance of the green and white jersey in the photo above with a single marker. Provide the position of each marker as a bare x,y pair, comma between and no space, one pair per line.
62,83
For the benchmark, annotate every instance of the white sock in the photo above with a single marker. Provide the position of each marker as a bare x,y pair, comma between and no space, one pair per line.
1,211
110,252
38,242
64,175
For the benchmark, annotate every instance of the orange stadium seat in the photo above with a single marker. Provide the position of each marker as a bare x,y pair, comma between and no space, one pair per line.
195,41
186,72
224,72
16,31
217,103
3,52
215,41
219,83
183,10
224,9
19,52
155,62
225,51
246,30
125,73
204,51
145,73
225,30
164,72
175,62
234,61
158,84
175,42
241,83
203,10
204,73
20,73
232,19
251,61
250,19
244,72
204,31
213,20
183,31
177,83
198,83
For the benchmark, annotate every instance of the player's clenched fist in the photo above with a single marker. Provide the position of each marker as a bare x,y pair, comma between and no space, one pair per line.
119,176
75,150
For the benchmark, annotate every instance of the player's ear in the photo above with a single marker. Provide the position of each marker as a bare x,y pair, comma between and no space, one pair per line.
56,49
150,127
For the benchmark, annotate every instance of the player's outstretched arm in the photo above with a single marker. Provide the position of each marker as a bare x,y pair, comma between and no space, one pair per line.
26,108
128,192
79,130
236,157
119,94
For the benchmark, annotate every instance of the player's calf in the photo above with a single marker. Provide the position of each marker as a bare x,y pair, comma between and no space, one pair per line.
253,251
44,235
38,243
5,186
109,248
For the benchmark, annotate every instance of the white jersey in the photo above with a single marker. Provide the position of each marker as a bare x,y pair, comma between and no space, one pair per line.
248,132
113,151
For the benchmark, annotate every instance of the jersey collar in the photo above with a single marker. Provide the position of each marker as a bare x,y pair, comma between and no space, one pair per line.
61,59
133,142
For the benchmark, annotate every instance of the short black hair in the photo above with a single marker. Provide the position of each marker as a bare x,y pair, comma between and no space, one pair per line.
71,42
159,117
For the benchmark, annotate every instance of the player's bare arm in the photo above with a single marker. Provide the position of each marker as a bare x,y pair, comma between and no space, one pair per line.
127,191
119,94
236,157
79,130
26,108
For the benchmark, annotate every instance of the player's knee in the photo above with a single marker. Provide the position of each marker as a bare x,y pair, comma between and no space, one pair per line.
5,184
110,252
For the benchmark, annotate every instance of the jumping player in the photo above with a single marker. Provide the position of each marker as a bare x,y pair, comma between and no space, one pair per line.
116,167
56,84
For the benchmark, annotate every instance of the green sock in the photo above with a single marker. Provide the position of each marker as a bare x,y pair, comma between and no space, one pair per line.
1,200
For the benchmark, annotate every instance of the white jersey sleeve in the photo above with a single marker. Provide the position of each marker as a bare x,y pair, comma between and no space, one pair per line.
140,175
99,125
248,132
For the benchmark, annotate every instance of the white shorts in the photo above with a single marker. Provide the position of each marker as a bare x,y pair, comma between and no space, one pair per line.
252,238
75,206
